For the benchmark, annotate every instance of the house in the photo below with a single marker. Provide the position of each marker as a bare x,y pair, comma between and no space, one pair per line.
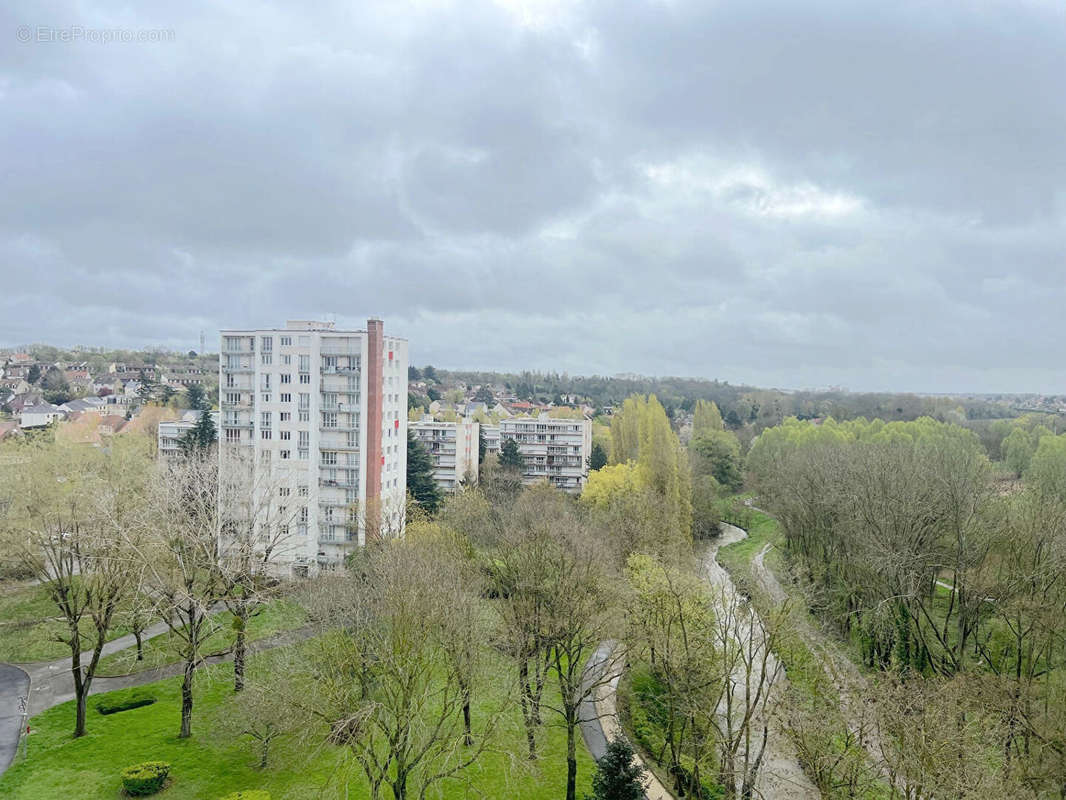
84,404
40,416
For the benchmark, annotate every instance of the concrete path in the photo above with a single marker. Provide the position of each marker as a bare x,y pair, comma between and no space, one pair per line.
14,687
599,713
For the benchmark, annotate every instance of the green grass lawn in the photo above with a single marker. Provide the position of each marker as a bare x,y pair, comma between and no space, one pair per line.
28,628
209,766
278,616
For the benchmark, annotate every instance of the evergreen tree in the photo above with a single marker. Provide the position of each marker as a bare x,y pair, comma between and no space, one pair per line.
196,397
420,481
510,456
34,374
598,456
482,448
200,437
617,777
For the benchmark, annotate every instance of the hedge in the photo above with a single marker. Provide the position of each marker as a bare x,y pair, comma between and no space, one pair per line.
124,702
146,778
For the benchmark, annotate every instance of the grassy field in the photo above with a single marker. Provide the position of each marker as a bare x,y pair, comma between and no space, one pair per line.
28,626
210,765
281,615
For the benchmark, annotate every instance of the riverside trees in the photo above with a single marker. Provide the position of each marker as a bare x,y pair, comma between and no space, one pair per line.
909,553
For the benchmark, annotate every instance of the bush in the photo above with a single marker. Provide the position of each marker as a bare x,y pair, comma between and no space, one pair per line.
124,702
146,778
249,794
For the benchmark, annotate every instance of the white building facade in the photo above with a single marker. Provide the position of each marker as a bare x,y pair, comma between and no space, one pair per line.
325,412
453,449
171,432
555,450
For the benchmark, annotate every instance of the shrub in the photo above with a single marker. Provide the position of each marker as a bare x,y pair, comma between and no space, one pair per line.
249,794
146,778
124,702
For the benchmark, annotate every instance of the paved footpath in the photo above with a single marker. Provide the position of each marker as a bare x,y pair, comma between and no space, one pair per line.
14,684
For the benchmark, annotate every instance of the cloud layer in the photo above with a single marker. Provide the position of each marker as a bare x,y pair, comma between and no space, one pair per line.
788,194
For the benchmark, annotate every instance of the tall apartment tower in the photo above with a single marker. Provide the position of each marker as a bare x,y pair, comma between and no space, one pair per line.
325,412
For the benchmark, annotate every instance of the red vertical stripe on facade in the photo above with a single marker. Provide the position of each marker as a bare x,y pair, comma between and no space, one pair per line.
374,399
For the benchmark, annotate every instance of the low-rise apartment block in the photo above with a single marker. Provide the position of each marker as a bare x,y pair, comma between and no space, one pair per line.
553,449
171,432
324,411
453,449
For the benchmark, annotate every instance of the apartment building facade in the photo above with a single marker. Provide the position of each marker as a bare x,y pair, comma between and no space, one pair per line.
453,449
555,450
324,412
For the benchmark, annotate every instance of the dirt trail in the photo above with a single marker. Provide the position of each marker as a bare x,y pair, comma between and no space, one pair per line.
850,683
781,777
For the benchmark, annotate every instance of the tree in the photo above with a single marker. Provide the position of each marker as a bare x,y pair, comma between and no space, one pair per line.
201,438
182,558
70,513
597,457
706,417
414,373
617,776
717,453
166,393
55,387
420,481
484,395
482,447
429,373
432,393
382,679
196,397
34,374
510,456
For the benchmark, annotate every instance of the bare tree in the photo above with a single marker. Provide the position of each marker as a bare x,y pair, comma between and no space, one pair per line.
382,680
182,556
70,511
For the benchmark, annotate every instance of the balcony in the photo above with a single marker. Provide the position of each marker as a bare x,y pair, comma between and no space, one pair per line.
240,368
237,423
339,483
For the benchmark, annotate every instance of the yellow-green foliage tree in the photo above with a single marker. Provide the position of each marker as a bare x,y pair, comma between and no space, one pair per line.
706,417
641,434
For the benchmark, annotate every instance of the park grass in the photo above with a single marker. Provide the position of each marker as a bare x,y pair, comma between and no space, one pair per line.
30,627
211,765
275,617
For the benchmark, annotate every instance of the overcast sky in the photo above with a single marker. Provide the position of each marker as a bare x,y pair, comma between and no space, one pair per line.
789,194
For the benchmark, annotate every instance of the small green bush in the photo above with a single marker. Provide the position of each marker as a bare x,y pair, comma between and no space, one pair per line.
249,794
124,702
146,778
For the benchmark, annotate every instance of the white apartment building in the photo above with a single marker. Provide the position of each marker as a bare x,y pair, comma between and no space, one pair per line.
170,433
553,449
491,435
325,411
453,449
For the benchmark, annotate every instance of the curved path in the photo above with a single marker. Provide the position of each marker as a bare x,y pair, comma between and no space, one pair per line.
781,776
14,687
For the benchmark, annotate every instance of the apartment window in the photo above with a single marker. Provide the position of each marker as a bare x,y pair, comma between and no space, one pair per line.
233,435
305,378
305,400
232,361
329,400
286,415
284,491
304,454
305,438
285,453
265,434
285,435
286,397
233,398
305,363
265,397
305,415
329,362
286,378
264,419
266,358
231,381
353,439
264,456
286,359
329,457
266,343
286,341
329,419
303,513
265,381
